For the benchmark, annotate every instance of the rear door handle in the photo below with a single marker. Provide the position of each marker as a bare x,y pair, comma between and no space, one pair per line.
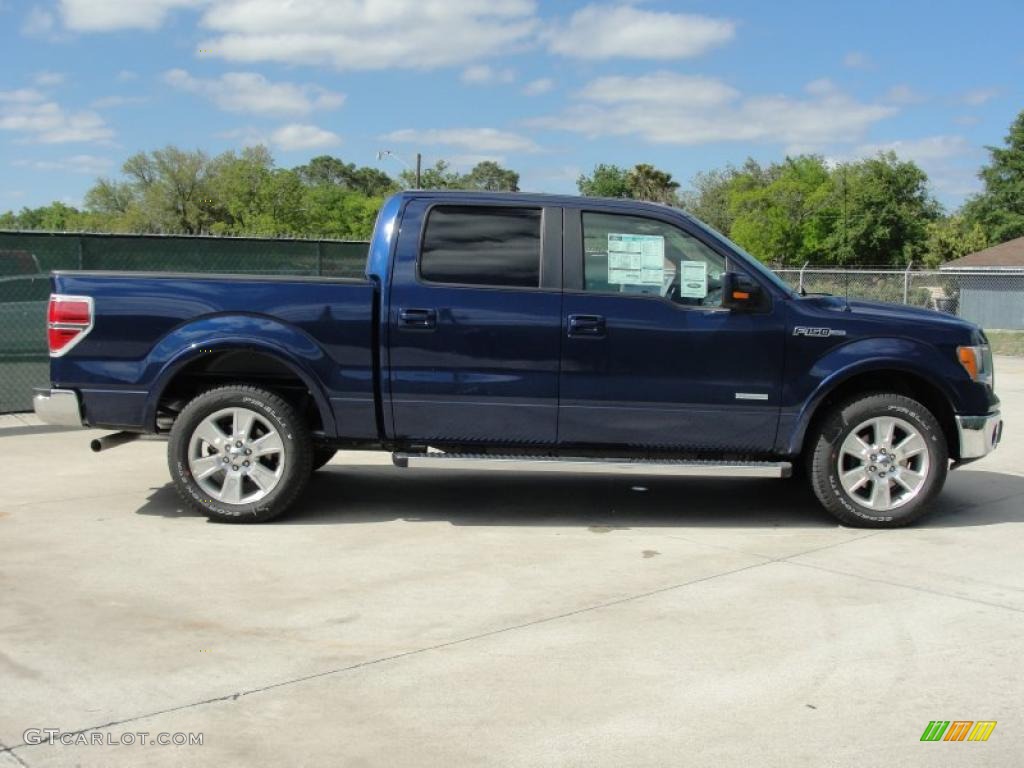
424,319
586,325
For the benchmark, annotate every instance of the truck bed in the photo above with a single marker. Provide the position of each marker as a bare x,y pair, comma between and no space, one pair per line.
148,326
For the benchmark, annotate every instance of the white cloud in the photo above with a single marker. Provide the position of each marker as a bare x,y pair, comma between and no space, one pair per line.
671,108
87,164
482,74
921,151
538,86
27,112
625,31
368,34
904,94
857,60
21,96
978,96
109,15
950,161
252,92
696,90
107,102
37,22
299,136
472,140
47,79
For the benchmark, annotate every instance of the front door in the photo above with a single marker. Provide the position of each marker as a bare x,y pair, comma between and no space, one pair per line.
650,358
474,319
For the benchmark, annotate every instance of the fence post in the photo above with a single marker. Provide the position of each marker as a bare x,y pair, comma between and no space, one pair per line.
81,260
800,288
319,258
906,281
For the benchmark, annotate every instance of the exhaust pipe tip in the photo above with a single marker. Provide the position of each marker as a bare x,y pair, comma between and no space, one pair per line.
112,441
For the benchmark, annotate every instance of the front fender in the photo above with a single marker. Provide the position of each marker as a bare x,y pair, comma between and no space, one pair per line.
286,344
807,390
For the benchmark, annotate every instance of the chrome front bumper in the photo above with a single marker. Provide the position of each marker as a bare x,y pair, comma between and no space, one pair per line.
57,406
979,435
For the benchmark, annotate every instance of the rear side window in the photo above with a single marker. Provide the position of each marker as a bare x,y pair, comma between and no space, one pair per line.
476,245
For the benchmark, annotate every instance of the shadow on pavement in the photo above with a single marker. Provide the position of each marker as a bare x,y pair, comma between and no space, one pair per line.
340,494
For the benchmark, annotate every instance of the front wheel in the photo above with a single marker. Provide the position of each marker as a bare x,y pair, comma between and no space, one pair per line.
878,461
239,454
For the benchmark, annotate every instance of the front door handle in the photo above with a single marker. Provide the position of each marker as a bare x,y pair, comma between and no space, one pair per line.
423,319
586,325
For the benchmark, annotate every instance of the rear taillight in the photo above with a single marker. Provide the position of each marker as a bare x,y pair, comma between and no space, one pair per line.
68,320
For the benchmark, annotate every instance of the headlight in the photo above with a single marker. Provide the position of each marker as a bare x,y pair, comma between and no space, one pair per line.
977,361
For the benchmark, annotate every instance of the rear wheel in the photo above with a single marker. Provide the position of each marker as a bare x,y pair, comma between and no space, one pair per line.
878,461
239,454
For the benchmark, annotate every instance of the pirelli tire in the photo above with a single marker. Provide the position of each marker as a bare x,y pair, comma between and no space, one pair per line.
877,460
240,454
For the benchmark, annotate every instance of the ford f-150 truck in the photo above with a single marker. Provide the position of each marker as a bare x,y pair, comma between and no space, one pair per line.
524,332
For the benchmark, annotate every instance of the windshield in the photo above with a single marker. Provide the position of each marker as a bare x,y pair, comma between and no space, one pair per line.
751,259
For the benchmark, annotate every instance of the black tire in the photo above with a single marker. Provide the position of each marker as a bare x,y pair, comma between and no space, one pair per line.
296,453
322,455
823,456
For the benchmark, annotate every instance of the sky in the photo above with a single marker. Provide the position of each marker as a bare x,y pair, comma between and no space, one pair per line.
547,88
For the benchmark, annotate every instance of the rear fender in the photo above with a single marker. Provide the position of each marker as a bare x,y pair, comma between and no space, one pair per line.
289,346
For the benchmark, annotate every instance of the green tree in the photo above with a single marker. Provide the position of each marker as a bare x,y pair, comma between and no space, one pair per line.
490,177
171,186
777,212
645,182
881,208
708,200
333,211
326,169
999,209
604,181
235,203
437,176
55,217
950,238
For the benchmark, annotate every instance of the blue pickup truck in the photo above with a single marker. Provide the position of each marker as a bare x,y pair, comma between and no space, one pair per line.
514,332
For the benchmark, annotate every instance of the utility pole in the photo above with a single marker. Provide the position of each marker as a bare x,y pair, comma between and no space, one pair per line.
419,166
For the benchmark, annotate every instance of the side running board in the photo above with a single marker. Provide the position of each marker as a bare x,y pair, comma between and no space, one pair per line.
493,463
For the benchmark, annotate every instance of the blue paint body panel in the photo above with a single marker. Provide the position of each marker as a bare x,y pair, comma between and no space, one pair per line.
500,367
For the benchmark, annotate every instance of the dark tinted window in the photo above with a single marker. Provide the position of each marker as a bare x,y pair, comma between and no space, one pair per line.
482,246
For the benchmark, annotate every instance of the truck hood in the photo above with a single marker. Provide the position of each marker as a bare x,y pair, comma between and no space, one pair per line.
893,315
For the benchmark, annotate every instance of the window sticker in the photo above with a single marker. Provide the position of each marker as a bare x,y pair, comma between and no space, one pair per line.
636,259
693,279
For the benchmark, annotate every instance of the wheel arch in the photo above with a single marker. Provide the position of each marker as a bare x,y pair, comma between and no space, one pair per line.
889,377
253,361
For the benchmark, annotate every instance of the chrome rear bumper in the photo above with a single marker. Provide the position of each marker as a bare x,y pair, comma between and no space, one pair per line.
979,435
58,406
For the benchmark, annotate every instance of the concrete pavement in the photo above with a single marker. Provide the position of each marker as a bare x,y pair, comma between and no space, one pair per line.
425,618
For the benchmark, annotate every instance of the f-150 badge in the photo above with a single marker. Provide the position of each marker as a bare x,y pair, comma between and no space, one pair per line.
820,333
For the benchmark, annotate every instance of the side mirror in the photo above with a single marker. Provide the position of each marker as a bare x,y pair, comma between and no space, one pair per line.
740,292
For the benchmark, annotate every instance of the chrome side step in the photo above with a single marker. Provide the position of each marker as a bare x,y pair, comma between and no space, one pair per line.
494,463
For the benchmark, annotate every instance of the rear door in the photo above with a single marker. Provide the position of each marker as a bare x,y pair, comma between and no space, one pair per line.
475,318
651,359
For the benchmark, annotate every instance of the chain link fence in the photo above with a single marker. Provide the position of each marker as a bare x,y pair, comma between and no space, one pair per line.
27,258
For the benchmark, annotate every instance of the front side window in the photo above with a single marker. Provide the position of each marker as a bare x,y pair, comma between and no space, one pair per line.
477,245
634,255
